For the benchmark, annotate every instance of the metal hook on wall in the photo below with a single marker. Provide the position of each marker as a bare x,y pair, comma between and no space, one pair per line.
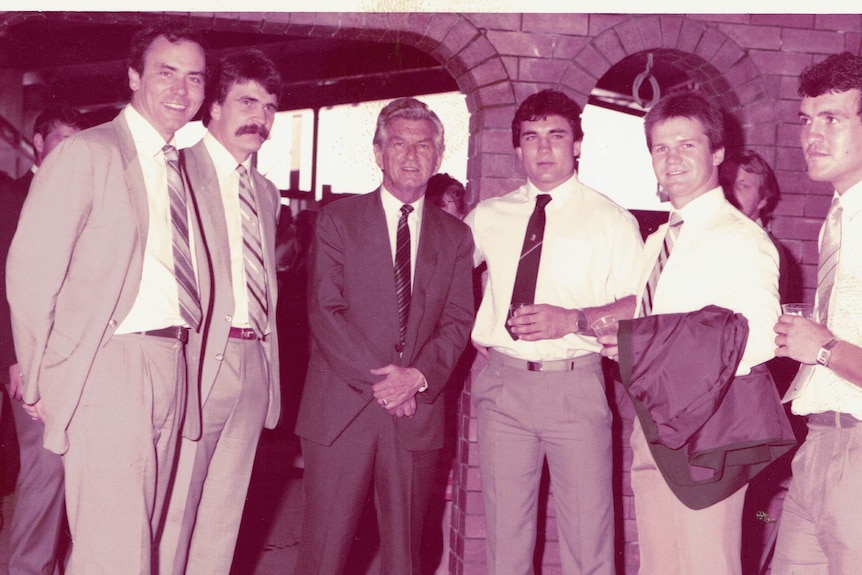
636,88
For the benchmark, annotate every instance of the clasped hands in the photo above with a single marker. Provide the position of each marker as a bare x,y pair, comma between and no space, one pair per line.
396,392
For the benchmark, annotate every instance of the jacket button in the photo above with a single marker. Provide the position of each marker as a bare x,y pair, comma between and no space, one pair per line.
219,357
228,318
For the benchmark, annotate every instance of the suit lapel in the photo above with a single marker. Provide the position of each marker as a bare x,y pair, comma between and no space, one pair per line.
430,243
377,255
134,177
204,185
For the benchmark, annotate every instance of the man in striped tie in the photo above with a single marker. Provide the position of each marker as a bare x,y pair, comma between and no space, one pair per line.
105,294
709,253
821,522
239,367
390,307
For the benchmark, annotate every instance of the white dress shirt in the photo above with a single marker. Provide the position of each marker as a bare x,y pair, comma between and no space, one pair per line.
591,246
723,258
826,390
228,180
157,303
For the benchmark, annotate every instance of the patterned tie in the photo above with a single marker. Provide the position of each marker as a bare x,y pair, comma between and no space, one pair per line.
524,290
829,251
674,224
189,302
252,255
402,270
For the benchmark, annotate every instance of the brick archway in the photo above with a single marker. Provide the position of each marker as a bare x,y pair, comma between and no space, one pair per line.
714,61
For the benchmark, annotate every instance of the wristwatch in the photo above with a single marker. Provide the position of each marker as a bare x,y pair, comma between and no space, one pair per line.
825,352
582,322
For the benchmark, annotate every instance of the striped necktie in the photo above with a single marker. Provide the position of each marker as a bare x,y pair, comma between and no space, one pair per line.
187,290
402,270
524,289
252,255
830,245
670,237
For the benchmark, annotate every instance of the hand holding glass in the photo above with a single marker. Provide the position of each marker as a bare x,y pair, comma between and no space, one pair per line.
805,310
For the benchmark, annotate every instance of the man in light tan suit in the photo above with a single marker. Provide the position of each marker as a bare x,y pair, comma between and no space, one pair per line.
100,317
239,374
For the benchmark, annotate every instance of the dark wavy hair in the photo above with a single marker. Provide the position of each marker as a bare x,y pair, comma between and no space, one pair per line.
837,73
441,184
543,104
687,105
238,68
142,39
57,114
753,163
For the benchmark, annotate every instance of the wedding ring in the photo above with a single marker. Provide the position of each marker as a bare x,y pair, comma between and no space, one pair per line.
384,402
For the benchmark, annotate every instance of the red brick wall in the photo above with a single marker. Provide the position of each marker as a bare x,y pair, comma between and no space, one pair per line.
748,63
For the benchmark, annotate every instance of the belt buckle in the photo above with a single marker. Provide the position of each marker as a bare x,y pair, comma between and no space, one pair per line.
183,334
534,366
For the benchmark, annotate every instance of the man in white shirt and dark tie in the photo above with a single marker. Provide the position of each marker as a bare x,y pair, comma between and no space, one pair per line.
559,255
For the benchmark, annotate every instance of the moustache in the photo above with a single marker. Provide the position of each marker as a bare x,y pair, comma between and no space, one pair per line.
253,129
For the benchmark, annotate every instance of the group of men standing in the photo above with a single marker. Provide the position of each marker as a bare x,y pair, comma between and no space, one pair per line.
142,288
141,283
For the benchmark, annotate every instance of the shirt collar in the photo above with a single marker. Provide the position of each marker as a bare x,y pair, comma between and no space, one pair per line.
560,194
148,141
224,162
392,205
851,201
703,206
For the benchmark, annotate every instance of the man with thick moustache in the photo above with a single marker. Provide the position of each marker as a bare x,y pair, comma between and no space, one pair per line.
239,373
821,521
390,308
104,292
35,527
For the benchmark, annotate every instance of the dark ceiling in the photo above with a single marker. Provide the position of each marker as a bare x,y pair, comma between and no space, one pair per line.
79,59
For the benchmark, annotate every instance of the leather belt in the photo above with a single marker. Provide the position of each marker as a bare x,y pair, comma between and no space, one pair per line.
173,332
245,333
552,365
833,419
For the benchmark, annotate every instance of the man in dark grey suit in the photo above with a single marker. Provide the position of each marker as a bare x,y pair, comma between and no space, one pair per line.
391,305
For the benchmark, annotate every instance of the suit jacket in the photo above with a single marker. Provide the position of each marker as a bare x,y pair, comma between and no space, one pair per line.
203,183
74,270
354,317
709,431
12,196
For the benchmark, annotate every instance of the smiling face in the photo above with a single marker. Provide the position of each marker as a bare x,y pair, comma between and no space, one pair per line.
547,151
170,88
243,121
832,138
408,157
683,163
